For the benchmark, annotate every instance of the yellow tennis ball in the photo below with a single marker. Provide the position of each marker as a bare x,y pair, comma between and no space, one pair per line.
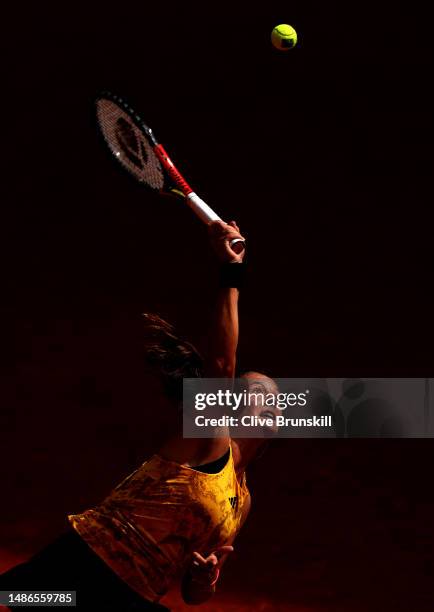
284,37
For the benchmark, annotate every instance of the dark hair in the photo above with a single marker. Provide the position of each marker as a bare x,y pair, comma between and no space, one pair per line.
174,357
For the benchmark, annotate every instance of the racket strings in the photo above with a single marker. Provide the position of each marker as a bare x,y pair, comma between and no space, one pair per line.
128,143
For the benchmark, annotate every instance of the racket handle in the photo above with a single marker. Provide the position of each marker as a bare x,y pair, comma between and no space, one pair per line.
201,208
206,214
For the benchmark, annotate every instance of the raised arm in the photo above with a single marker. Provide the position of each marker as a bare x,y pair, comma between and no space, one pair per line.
223,335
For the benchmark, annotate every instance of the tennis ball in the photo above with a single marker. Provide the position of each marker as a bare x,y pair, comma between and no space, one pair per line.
284,37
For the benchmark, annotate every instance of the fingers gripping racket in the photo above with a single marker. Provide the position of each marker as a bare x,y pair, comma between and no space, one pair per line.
134,145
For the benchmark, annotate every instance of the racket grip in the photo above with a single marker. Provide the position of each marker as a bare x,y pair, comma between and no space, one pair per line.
201,208
206,214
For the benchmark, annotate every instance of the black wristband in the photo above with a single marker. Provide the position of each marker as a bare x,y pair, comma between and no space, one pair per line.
232,275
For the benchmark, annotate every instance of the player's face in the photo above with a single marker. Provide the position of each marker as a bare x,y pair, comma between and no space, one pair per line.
263,387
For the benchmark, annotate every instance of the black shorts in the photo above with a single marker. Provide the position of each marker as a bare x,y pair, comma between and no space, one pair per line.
69,564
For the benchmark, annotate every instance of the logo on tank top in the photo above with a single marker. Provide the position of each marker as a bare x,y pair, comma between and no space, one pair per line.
234,502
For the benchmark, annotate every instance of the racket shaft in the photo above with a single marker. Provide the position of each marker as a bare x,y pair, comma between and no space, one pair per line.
169,166
199,207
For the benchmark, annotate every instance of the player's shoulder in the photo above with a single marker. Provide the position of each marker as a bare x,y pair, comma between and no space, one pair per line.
236,456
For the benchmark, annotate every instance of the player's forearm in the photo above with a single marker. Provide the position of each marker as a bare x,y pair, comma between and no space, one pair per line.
224,334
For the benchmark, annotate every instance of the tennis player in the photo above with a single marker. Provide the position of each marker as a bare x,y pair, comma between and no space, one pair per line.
175,518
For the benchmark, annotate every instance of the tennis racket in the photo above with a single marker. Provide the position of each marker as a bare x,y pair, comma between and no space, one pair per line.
134,145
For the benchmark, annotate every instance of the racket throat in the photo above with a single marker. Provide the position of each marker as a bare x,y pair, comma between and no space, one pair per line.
179,181
199,207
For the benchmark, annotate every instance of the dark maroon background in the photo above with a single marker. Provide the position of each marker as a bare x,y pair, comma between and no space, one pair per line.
323,156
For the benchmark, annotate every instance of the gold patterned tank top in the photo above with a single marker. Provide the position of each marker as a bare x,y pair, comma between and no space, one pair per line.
148,527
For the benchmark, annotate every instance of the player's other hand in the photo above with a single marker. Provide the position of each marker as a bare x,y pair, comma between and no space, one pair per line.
221,235
205,570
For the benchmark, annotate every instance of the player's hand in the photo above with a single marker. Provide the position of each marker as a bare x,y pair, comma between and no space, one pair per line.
221,235
205,570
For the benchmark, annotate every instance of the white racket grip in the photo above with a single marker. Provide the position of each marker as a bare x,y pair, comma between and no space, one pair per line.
206,214
201,208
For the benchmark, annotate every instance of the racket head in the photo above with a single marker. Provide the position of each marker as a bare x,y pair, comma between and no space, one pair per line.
130,140
133,144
